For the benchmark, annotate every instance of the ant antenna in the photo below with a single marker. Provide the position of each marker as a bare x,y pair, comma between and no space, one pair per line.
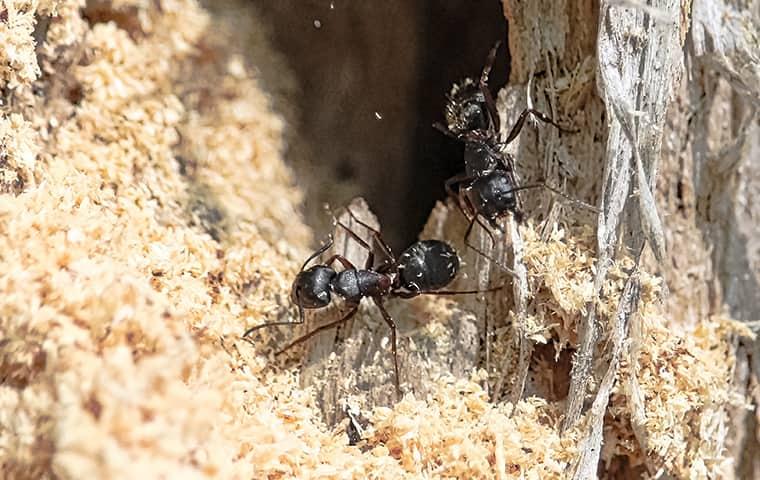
492,259
557,192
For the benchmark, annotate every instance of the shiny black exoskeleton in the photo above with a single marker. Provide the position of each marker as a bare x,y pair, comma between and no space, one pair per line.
487,187
423,268
466,108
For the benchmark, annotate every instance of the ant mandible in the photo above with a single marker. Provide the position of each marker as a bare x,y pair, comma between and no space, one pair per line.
422,269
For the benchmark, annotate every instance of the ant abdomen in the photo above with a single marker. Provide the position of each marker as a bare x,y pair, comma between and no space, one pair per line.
427,265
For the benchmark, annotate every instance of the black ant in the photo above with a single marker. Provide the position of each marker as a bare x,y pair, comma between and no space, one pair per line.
488,185
423,268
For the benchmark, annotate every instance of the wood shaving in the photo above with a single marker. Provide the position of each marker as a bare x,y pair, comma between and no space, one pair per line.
147,219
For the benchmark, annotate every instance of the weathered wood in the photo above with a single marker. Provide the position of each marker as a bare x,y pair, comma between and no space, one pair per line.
591,446
724,176
675,151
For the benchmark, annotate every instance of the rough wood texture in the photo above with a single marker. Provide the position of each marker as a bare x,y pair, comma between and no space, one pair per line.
644,117
638,66
722,181
590,448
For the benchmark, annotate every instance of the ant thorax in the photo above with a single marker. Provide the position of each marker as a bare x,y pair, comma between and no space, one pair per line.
353,285
482,157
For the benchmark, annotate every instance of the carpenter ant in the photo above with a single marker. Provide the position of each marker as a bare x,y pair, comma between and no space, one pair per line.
423,268
487,187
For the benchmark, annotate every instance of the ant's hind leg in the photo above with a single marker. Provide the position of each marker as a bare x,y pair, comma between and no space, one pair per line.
394,342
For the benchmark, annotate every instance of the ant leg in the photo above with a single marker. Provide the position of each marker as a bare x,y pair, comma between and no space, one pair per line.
480,252
495,226
489,63
483,85
458,181
343,260
394,344
370,254
445,130
468,232
475,217
376,235
488,230
472,216
521,121
321,328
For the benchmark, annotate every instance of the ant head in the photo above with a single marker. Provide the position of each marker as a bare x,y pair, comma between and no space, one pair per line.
427,265
466,108
311,288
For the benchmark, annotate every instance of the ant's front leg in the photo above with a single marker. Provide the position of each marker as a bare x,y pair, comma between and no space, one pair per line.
321,328
377,237
370,255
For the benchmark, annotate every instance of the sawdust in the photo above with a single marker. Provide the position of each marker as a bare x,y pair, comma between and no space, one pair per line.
147,219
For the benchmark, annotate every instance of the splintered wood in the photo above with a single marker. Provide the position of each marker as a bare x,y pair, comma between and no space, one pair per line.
147,220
